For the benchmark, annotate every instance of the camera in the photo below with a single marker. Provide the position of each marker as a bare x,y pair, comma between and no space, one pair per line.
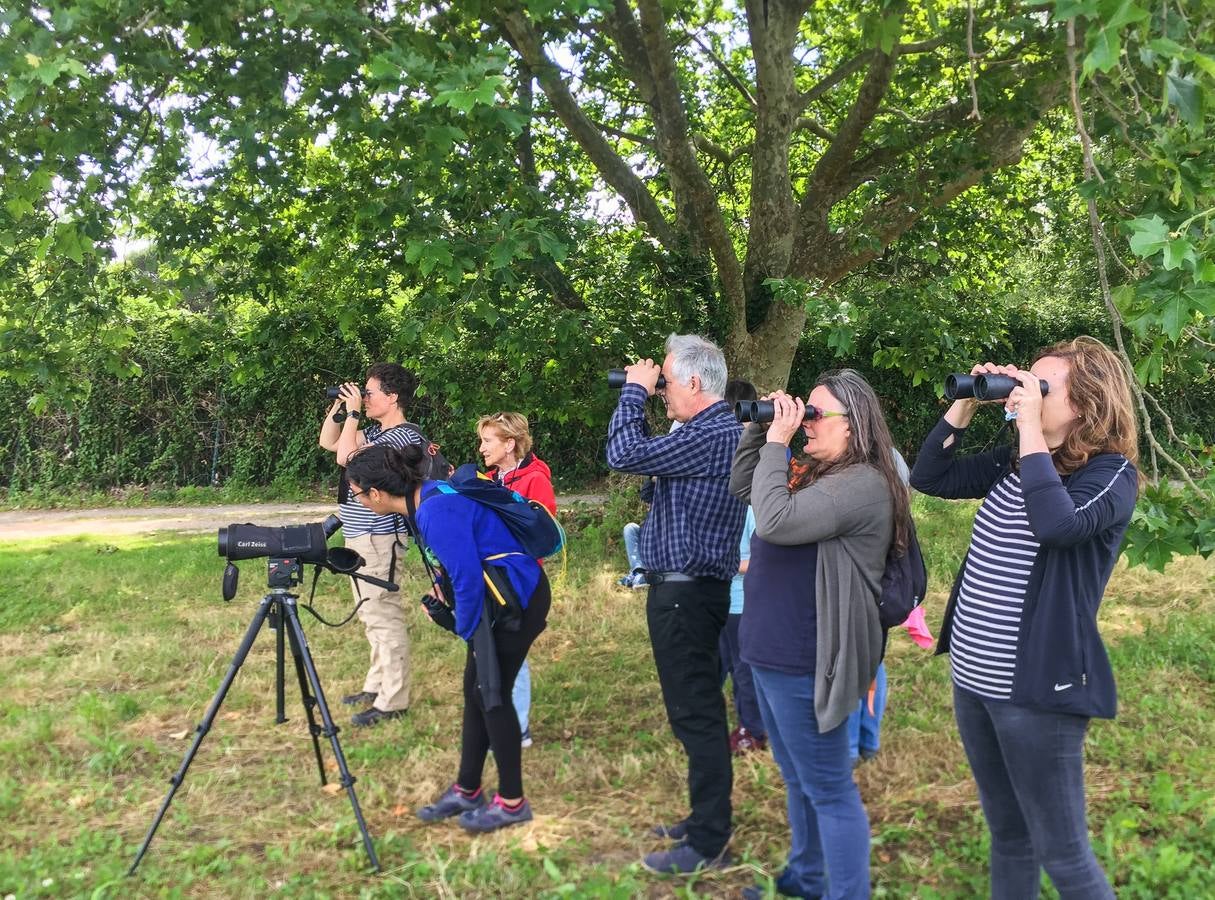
306,543
617,378
333,393
987,386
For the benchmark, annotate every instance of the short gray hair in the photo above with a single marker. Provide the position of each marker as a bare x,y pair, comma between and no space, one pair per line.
693,355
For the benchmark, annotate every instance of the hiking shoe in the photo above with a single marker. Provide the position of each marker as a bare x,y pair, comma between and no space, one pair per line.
451,803
676,832
743,741
495,816
683,859
359,699
372,716
525,740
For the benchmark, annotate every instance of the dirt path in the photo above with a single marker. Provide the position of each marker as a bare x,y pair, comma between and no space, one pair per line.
39,523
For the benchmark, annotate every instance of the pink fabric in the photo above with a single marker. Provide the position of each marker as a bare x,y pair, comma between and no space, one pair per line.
917,628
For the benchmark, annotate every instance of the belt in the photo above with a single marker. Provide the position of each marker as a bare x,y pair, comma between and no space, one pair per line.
653,578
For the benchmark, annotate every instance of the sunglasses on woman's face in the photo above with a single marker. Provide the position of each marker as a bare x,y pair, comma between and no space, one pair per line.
814,413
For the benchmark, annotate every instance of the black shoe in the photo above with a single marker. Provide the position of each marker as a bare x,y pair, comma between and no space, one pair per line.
359,699
676,832
373,716
684,859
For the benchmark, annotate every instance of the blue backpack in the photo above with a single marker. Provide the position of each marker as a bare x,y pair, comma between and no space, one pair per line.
528,520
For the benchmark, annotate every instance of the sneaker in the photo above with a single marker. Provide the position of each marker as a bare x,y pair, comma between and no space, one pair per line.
495,816
745,742
362,698
451,803
372,716
676,832
683,859
525,740
782,885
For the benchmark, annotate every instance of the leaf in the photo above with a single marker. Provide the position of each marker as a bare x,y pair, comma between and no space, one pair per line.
1174,315
1126,12
180,735
1149,235
1071,9
1183,93
1106,45
1176,252
1150,369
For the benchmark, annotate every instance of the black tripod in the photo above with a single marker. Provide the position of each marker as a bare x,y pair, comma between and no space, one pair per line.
279,608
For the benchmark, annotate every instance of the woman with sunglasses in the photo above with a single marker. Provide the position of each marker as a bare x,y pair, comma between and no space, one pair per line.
810,629
506,447
467,538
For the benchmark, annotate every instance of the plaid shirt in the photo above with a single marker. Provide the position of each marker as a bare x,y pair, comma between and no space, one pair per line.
695,523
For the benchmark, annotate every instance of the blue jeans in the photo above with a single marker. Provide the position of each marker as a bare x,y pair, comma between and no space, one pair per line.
1029,766
632,541
865,727
829,856
745,704
521,694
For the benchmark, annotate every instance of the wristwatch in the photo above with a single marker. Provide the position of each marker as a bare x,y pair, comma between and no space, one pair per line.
354,414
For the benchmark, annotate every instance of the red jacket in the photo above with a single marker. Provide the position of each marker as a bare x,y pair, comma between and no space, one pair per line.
532,479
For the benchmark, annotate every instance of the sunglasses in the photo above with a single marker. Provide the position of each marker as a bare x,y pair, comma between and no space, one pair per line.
814,413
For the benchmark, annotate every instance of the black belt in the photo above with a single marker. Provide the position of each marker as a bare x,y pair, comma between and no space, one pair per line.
653,578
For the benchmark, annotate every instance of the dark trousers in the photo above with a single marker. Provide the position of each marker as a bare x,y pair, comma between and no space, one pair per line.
746,706
499,728
1029,766
686,619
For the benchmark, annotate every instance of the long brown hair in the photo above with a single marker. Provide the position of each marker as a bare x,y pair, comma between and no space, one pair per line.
1100,393
869,443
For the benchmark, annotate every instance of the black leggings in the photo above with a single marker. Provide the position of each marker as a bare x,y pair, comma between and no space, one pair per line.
499,728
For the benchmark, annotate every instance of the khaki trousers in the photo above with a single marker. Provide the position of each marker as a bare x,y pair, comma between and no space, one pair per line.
383,618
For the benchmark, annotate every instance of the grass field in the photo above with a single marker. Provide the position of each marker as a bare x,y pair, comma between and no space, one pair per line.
110,651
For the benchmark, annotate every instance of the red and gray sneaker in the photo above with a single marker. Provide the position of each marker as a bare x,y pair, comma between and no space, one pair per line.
452,802
743,741
496,815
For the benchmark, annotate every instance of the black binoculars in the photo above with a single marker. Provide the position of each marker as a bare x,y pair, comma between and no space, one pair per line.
959,386
617,378
762,411
334,392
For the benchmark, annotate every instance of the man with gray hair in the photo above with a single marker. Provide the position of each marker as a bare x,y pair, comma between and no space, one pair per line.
690,545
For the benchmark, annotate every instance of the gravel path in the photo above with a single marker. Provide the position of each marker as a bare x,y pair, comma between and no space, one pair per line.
40,523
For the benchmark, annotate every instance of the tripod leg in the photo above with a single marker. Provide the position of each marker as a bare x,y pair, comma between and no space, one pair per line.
309,705
331,730
276,622
201,731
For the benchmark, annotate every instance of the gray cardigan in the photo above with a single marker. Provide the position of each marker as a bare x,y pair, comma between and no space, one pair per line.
850,515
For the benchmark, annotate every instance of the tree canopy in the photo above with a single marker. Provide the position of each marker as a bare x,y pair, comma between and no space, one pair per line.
526,191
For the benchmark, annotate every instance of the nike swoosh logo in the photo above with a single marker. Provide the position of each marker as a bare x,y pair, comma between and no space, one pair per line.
1062,687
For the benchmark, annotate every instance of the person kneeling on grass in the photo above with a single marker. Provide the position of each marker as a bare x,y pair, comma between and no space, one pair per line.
474,548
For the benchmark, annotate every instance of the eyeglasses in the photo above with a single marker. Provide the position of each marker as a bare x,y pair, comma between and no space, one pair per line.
354,495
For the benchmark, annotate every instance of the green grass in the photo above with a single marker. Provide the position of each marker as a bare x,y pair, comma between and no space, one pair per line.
110,651
140,495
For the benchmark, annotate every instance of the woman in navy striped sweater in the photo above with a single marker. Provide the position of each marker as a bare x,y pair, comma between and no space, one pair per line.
1029,667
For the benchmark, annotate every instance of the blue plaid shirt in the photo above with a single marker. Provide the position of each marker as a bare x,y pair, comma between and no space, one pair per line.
695,523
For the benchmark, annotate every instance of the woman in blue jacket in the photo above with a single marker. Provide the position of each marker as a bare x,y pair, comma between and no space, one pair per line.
476,552
1029,668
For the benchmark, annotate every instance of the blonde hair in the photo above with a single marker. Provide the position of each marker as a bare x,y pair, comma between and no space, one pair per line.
1099,392
509,425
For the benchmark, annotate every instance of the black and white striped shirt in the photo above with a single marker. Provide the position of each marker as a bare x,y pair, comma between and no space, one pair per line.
987,620
358,519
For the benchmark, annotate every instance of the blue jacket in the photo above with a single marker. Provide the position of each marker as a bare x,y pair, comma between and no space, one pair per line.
463,533
1079,520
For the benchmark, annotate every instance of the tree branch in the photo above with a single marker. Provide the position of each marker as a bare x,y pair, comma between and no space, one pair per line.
614,170
858,62
725,70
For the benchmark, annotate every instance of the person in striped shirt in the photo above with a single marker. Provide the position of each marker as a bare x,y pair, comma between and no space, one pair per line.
1029,667
375,415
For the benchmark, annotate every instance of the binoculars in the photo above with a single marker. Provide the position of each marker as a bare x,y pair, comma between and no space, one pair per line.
617,377
762,411
334,392
959,386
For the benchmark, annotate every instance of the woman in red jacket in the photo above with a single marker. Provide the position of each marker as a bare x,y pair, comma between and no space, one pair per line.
506,447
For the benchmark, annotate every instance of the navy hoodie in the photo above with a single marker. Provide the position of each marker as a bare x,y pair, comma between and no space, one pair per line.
1079,520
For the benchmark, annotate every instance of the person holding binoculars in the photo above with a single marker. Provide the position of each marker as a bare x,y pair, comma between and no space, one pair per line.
810,629
375,415
1028,665
480,559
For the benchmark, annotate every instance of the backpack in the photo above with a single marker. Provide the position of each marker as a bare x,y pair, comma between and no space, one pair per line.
440,468
532,525
904,583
